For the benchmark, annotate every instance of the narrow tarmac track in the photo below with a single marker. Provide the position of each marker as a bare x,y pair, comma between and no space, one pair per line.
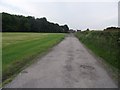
67,65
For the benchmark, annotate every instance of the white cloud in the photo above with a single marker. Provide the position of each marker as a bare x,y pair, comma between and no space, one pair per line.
78,14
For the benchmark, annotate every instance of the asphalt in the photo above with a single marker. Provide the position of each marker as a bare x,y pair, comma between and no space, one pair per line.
67,65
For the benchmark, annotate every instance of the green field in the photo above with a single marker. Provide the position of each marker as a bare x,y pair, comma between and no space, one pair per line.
19,49
104,44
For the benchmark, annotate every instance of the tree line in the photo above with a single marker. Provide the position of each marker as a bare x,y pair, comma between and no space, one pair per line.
19,23
112,29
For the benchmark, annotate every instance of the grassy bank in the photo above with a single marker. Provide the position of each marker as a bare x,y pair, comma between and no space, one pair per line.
104,44
18,49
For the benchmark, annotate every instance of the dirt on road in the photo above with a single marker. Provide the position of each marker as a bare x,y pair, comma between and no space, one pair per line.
67,65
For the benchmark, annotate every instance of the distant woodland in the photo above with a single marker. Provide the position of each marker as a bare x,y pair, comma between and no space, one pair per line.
19,23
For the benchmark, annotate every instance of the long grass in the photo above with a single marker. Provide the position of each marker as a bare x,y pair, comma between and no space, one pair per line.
104,44
21,48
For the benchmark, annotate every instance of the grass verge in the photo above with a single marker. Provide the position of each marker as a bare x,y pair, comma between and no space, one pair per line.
104,44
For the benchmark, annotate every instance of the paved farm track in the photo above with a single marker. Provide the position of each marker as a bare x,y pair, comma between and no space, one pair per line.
67,65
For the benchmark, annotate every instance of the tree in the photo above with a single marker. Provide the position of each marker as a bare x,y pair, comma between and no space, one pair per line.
19,23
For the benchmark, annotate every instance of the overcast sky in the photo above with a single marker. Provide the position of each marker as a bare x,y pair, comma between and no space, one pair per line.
77,14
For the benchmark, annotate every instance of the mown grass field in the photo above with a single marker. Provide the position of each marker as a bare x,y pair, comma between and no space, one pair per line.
18,49
105,44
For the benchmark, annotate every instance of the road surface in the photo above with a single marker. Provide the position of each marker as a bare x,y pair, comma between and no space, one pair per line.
67,65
